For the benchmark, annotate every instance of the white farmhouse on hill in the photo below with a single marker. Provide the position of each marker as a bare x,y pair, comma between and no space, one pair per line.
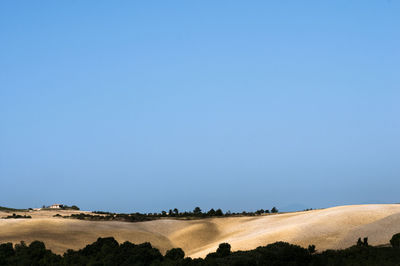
56,206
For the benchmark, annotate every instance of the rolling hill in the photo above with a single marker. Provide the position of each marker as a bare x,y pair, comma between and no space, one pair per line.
332,228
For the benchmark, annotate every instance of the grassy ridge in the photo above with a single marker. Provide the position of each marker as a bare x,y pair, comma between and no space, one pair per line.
5,209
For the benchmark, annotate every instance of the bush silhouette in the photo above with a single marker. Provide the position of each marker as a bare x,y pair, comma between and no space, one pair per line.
311,249
395,241
365,242
108,252
175,254
224,250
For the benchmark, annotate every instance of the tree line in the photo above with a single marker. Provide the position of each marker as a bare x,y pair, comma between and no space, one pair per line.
108,252
140,217
197,212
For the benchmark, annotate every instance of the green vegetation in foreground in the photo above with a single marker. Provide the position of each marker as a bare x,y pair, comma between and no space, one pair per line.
107,251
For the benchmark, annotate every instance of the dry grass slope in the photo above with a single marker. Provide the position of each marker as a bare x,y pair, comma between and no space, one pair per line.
337,227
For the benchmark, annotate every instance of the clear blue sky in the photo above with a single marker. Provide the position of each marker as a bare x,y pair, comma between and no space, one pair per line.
240,105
